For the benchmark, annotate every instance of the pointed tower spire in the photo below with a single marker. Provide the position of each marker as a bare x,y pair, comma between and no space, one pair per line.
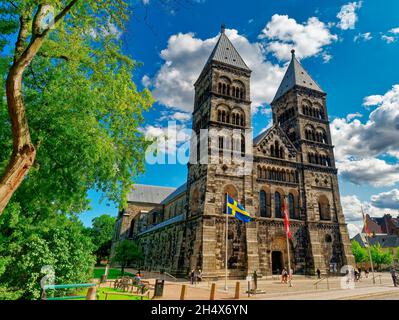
226,53
296,75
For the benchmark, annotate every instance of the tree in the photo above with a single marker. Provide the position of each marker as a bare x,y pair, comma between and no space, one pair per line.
379,256
67,75
359,253
101,233
58,242
126,253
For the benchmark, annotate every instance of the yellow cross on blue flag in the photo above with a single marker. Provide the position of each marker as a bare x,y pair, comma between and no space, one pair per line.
233,208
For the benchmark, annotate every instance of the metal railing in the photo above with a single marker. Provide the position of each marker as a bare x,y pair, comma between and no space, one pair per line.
91,294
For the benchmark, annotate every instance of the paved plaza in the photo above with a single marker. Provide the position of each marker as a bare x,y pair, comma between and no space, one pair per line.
303,288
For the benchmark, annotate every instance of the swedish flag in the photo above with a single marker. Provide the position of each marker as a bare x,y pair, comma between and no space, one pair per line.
235,209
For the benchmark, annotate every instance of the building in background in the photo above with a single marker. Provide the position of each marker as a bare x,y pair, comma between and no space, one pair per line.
385,225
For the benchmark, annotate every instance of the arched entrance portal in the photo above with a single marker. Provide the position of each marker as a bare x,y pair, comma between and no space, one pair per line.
279,255
277,262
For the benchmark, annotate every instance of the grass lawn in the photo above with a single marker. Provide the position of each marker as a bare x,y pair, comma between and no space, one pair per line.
112,273
102,291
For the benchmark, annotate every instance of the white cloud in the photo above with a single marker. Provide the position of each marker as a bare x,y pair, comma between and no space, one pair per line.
308,39
167,139
371,171
352,208
388,199
378,136
391,36
353,230
358,145
352,116
347,15
186,55
146,81
363,37
175,116
326,57
388,39
110,29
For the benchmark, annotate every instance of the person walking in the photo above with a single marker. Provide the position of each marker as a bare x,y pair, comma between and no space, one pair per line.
192,276
356,276
284,276
200,275
318,273
394,277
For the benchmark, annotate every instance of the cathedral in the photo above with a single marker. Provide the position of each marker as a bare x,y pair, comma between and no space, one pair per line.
290,163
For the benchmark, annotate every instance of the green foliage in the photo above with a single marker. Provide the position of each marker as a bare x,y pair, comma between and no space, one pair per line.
83,108
84,111
101,233
25,248
380,257
126,253
359,253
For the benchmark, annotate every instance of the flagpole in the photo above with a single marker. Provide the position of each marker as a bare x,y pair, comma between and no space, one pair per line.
368,245
288,250
225,263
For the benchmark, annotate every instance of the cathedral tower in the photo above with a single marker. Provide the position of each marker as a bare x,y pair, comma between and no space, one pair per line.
220,148
300,109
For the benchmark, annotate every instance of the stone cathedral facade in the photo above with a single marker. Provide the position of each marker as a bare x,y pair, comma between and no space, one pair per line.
292,162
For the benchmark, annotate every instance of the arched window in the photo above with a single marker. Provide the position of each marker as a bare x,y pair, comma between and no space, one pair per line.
154,218
278,208
131,229
242,145
262,204
324,208
221,143
291,206
219,115
219,88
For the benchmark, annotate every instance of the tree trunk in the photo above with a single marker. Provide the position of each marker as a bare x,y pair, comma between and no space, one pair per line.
123,270
24,153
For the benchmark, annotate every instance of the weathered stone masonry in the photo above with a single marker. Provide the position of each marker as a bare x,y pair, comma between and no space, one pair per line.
291,162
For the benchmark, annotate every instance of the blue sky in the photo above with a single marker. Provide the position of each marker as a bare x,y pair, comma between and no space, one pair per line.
349,48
